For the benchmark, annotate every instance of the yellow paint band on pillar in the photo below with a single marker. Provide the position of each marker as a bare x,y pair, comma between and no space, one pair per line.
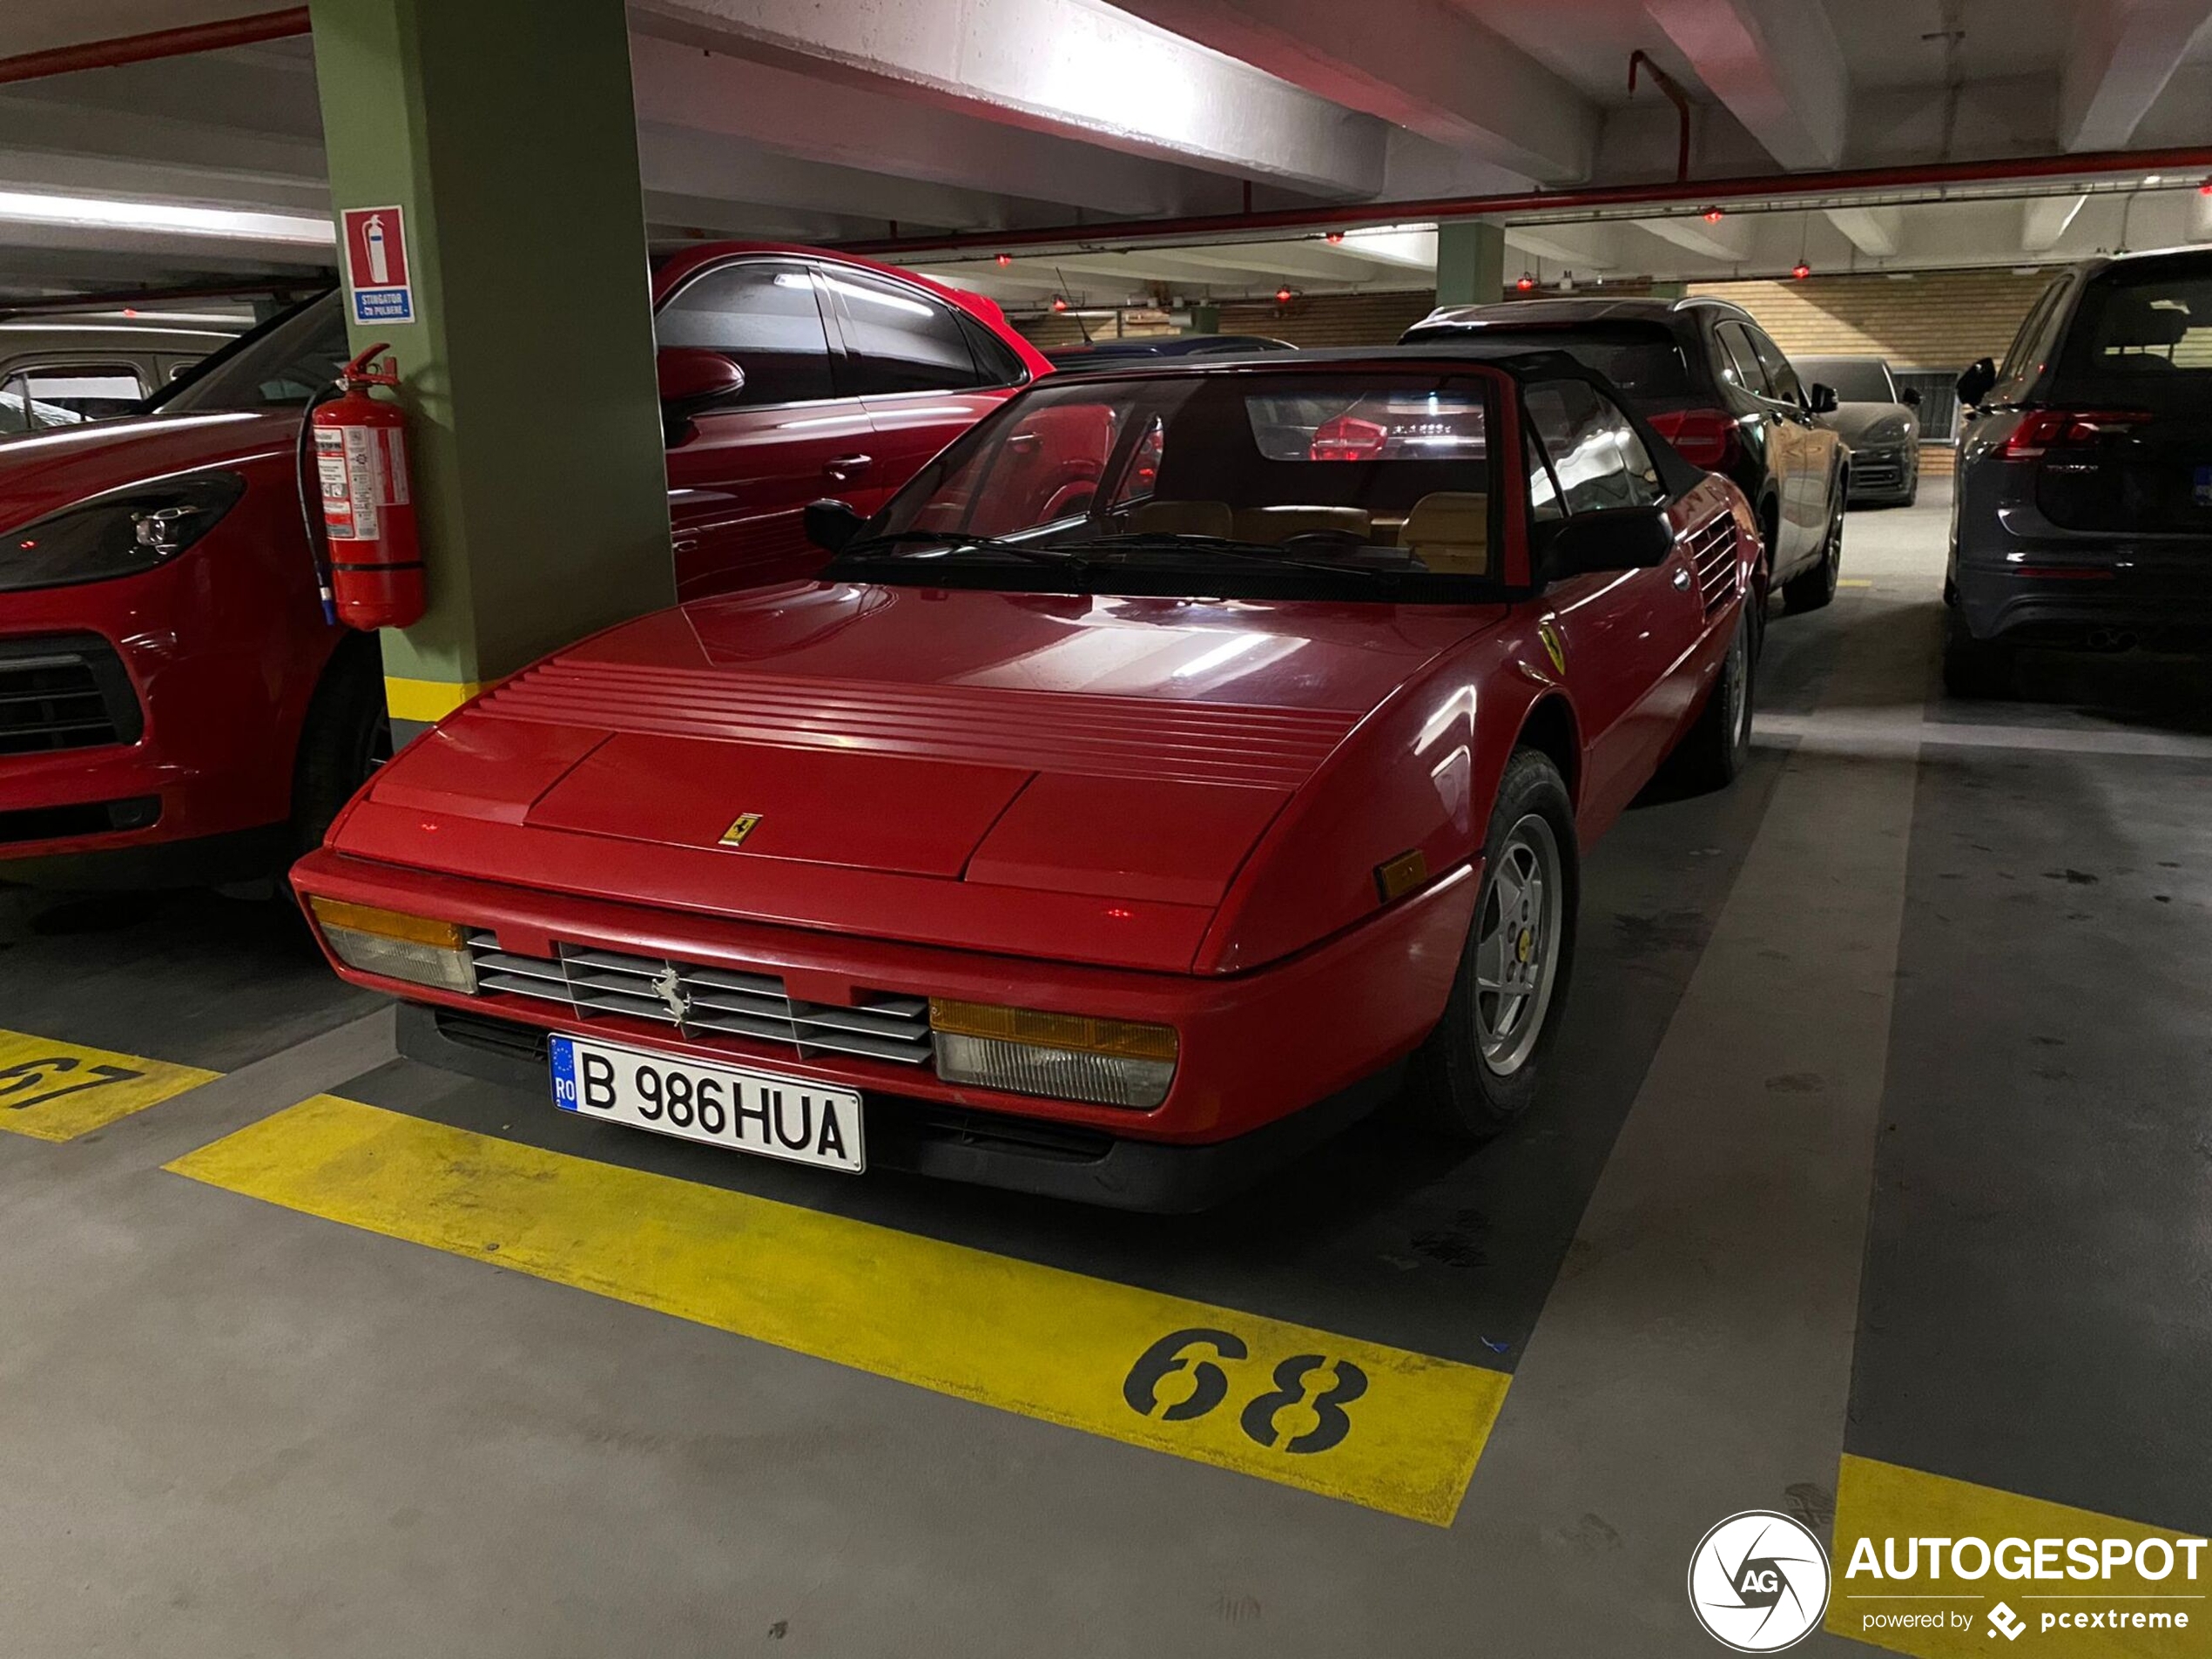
426,702
1917,1602
56,1091
1372,1424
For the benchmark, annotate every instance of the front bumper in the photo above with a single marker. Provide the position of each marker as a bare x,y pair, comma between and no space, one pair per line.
1885,474
1256,1049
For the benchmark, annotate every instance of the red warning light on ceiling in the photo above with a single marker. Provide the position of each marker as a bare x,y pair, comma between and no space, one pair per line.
1712,216
1526,282
1058,304
1005,259
1284,296
1800,270
1333,236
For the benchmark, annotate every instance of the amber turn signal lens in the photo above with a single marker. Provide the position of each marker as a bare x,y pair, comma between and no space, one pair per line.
386,924
1402,875
1077,1032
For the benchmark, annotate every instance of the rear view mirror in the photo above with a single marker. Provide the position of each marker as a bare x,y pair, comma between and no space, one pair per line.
1977,383
693,380
831,525
1910,397
1617,539
1822,400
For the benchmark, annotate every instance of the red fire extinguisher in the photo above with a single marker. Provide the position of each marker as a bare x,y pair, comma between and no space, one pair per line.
367,509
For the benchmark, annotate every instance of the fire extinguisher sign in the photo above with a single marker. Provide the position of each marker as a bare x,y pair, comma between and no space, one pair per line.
376,265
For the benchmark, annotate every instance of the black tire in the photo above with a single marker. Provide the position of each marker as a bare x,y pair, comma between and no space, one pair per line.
1810,589
1717,749
346,736
1456,1088
1974,669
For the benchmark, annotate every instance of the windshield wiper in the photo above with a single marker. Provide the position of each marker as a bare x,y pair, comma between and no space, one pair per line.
958,541
1259,552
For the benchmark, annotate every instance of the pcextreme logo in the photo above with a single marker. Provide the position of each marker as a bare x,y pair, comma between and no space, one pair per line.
1758,1581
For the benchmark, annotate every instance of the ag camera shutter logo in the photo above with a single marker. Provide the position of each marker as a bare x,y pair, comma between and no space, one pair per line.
1759,1583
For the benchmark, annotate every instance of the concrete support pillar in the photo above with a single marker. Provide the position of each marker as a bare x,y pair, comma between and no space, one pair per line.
503,131
1470,263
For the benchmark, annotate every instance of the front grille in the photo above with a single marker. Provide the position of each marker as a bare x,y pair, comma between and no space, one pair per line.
65,691
1714,554
703,1002
1877,472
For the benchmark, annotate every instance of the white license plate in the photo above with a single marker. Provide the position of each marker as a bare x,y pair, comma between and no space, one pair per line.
743,1111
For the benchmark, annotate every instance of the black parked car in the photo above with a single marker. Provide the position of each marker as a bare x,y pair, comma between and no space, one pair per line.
1708,378
2083,511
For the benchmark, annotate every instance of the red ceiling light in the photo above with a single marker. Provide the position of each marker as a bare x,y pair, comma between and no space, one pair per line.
1059,304
1333,236
1005,259
1800,270
1284,296
2205,189
1712,216
1526,283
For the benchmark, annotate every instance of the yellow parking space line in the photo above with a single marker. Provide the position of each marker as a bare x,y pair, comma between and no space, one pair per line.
58,1091
1372,1424
1853,582
426,701
2102,1587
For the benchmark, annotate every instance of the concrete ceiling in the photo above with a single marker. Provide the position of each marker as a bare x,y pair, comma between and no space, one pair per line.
830,120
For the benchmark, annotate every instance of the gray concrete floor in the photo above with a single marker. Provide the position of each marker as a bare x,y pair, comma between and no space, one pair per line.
1880,1127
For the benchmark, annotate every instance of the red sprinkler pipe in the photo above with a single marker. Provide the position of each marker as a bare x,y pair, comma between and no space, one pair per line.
161,43
2196,159
1679,98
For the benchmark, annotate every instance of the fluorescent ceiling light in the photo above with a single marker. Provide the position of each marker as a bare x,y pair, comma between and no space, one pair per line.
22,208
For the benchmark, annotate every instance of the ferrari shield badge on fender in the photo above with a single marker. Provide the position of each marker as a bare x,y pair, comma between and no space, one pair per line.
734,836
1553,647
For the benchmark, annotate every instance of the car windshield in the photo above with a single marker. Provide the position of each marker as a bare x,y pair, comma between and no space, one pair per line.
1856,380
280,364
1360,484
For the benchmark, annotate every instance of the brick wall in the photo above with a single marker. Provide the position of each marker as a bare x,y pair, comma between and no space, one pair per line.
1932,320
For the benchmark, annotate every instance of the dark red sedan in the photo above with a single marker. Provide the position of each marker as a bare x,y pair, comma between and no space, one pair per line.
1113,839
172,705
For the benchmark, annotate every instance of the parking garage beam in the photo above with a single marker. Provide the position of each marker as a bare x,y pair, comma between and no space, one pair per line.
509,145
1470,263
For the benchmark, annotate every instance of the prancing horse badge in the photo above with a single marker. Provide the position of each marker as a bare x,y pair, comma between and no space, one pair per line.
1553,647
734,836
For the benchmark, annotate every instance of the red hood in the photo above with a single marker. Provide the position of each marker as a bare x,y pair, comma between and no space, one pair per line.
1074,777
43,471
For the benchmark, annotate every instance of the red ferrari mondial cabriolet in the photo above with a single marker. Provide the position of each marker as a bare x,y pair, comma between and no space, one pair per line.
1185,760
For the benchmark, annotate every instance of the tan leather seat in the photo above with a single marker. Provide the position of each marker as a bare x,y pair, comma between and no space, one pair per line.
1182,518
1449,532
1274,524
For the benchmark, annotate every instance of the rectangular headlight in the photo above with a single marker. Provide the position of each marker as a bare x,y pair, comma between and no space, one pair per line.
395,945
1062,1057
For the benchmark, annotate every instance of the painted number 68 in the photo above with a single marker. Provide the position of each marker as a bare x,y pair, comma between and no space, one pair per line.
1195,1351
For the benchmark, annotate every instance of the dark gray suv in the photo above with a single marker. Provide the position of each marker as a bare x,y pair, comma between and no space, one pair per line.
2083,512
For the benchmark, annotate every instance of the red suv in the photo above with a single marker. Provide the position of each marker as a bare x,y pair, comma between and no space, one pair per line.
173,707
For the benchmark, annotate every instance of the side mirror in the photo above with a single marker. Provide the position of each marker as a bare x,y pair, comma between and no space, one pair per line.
1977,383
693,379
1910,397
831,525
1617,539
1822,399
